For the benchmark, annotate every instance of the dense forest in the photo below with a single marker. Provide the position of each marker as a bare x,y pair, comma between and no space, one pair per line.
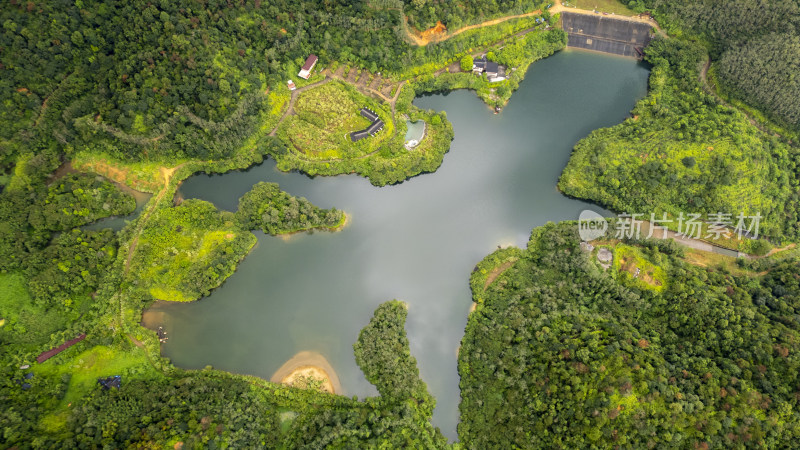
755,45
273,211
763,72
560,353
382,353
189,78
49,266
32,213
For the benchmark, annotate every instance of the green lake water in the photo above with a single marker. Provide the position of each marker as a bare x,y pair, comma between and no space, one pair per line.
417,241
415,130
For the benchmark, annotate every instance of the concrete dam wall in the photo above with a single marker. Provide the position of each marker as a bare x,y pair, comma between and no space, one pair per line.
605,34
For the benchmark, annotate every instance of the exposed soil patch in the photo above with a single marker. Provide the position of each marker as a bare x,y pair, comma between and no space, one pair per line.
386,89
630,266
496,272
376,82
433,33
362,80
351,77
339,71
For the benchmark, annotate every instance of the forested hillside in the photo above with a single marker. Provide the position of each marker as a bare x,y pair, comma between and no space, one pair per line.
765,72
276,212
192,77
755,43
164,79
685,152
211,409
560,353
424,14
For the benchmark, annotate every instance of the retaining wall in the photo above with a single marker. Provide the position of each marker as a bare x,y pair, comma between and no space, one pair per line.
605,33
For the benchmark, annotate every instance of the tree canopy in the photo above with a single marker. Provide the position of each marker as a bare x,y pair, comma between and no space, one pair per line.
560,352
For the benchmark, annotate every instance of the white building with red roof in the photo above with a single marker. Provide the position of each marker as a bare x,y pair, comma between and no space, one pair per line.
305,72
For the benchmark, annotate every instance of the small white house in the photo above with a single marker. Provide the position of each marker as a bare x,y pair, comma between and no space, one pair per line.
305,71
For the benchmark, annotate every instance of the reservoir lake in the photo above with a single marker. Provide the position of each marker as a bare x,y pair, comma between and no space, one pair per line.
417,241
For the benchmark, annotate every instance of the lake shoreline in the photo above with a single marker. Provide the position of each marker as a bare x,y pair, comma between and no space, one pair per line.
305,364
334,229
414,241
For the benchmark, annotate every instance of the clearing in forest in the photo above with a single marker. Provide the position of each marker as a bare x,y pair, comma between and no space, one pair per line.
185,251
497,271
634,267
325,117
607,6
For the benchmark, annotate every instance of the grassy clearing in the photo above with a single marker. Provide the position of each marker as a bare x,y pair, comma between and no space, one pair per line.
143,176
325,117
24,322
85,369
633,267
96,362
14,296
279,100
490,268
609,6
715,260
186,251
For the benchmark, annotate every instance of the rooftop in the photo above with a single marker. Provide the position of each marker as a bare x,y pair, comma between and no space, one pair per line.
369,114
374,127
310,61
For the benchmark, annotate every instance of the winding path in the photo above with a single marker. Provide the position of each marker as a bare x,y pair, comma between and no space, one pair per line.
705,66
166,173
420,41
556,8
329,76
293,100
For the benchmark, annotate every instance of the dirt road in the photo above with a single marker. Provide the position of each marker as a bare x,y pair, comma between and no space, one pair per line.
556,8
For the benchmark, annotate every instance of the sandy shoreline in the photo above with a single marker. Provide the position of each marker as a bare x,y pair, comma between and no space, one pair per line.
308,364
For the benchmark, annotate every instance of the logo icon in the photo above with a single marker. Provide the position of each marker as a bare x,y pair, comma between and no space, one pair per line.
591,225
